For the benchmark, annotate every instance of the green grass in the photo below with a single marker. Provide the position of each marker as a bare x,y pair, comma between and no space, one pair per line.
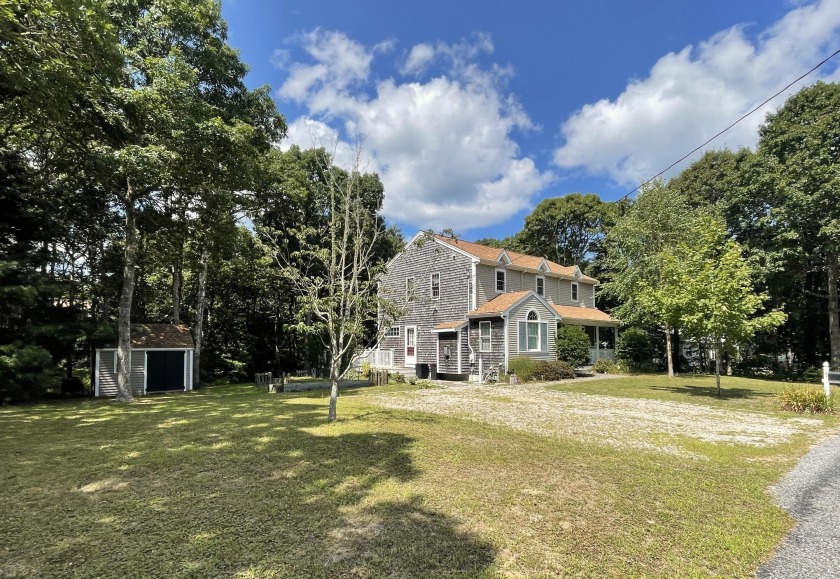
227,481
736,393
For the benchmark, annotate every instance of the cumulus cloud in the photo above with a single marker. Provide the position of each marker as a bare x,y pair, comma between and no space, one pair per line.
442,147
690,95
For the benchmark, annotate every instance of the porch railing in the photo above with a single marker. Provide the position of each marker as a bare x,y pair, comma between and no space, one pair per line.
376,359
596,354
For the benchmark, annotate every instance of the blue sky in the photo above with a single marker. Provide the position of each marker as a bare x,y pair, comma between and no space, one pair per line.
473,112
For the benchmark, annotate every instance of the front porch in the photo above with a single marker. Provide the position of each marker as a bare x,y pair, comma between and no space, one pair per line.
602,342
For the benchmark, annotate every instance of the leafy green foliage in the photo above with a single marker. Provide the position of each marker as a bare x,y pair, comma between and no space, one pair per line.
553,370
604,366
572,345
805,399
634,348
566,229
524,368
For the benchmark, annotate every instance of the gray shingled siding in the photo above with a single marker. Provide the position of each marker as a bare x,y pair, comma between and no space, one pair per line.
497,344
450,340
520,313
420,262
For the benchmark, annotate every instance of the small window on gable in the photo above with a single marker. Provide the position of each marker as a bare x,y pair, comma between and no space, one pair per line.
485,336
409,289
435,286
541,286
574,291
500,280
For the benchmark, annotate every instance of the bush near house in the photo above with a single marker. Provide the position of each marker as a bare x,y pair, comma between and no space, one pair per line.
634,348
551,370
523,368
603,366
572,345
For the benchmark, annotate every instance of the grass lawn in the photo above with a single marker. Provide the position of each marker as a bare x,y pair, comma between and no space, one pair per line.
227,481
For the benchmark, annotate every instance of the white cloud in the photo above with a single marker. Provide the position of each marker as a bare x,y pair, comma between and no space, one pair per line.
443,147
691,95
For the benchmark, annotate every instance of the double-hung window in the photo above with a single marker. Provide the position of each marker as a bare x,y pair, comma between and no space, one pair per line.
533,334
435,286
541,286
574,291
500,281
485,337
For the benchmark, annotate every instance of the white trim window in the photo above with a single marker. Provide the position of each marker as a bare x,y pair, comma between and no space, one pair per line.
575,292
540,286
501,281
393,332
435,285
409,289
533,334
485,337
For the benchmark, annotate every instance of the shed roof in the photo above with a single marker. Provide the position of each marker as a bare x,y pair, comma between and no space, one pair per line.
160,336
579,314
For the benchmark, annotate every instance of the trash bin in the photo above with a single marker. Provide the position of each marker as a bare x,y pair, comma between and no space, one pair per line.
433,372
421,371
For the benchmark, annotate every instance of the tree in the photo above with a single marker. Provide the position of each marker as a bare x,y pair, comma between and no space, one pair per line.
714,288
572,345
656,223
566,229
330,264
180,119
634,348
799,152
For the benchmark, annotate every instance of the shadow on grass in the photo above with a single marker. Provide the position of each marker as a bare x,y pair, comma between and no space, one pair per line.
221,482
712,392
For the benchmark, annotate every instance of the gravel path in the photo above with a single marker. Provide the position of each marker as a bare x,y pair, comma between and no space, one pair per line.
620,422
811,494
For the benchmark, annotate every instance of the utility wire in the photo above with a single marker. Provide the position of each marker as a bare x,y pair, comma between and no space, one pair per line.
683,158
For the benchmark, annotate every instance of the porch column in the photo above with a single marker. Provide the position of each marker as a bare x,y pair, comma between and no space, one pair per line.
597,343
615,338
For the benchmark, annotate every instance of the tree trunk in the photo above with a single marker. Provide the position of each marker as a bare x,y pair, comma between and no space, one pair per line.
124,325
833,314
717,366
198,330
668,354
677,349
333,390
176,294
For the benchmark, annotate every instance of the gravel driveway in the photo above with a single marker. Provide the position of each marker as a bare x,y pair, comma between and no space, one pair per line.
811,493
620,422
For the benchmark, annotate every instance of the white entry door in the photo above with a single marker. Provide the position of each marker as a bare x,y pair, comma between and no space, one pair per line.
410,345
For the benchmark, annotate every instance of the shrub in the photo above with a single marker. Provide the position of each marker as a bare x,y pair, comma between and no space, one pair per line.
523,368
412,380
634,348
365,370
605,367
25,372
572,345
398,378
806,399
813,375
551,370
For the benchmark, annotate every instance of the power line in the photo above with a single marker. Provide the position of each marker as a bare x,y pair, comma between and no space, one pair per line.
694,150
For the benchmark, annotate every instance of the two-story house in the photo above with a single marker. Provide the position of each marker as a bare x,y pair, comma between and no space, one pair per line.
469,306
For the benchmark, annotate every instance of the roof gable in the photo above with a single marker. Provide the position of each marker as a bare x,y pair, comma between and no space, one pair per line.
503,303
160,336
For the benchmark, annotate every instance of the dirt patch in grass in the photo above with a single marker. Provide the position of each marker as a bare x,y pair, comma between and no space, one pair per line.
620,422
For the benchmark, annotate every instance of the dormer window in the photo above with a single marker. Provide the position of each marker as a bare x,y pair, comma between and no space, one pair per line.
500,281
574,291
541,286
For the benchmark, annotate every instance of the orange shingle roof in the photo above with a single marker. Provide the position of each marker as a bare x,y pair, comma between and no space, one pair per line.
500,303
518,259
453,325
577,313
